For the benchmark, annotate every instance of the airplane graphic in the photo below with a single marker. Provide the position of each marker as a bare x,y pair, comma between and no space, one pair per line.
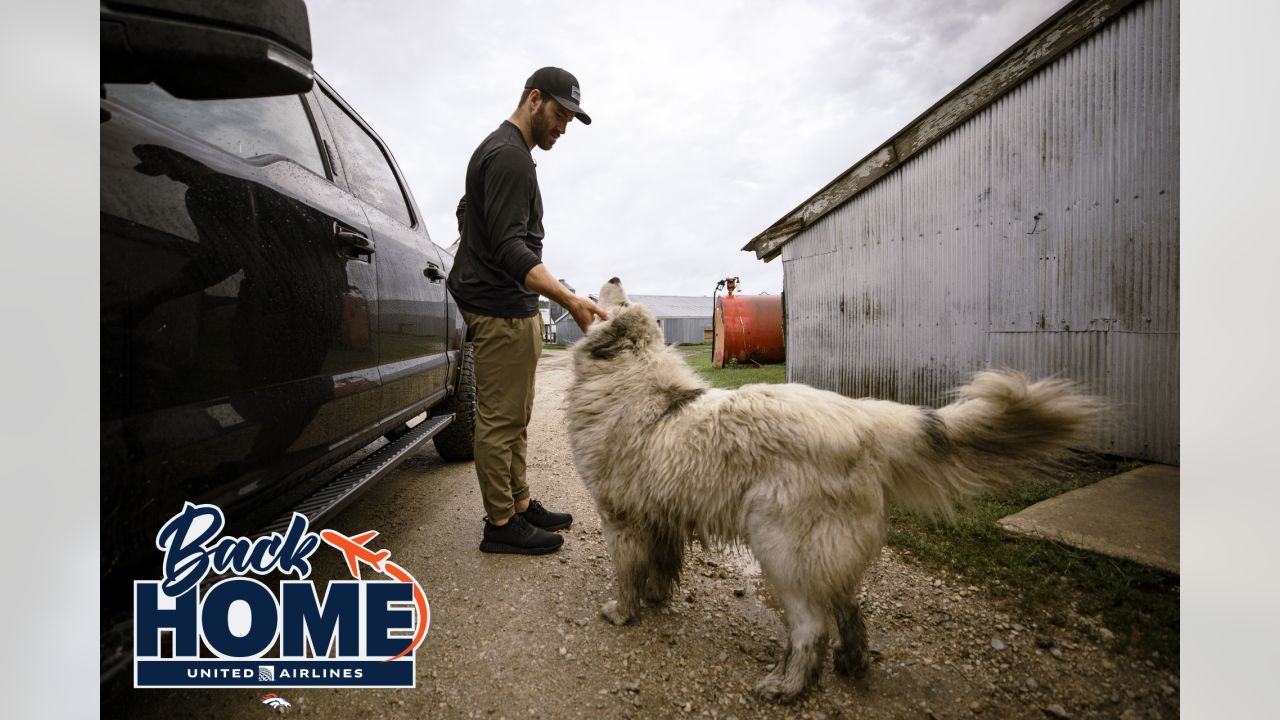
354,550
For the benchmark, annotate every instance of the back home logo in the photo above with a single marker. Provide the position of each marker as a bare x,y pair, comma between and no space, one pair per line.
238,632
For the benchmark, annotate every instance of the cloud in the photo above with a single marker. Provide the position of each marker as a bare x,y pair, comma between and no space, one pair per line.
711,119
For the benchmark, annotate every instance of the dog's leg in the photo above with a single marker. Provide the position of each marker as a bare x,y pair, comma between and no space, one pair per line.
851,655
806,648
629,548
665,557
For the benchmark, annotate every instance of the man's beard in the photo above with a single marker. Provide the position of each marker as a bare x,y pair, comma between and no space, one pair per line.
540,126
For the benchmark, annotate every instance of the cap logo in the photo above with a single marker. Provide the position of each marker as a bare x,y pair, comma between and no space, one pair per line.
573,91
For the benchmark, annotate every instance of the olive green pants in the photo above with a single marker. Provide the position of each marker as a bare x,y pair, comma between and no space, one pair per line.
506,352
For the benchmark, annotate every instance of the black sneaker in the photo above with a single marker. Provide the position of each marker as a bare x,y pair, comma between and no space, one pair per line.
539,516
518,536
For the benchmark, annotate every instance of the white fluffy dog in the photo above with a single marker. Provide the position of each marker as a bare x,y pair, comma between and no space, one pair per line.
804,477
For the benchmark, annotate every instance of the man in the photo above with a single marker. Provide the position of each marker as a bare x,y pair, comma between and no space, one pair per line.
496,279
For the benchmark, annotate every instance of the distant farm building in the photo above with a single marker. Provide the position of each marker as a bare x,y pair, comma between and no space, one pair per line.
684,319
1029,219
548,327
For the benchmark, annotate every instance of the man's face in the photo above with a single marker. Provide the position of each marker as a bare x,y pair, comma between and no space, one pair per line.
549,122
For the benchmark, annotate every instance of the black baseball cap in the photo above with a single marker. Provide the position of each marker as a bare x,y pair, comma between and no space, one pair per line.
561,85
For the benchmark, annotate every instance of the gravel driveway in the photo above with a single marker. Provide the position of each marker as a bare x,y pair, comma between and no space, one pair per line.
521,637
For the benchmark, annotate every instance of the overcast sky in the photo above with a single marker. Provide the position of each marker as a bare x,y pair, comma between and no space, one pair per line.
711,120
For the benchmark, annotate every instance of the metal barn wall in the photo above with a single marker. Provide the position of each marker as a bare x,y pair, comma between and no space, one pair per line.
567,331
686,331
1041,234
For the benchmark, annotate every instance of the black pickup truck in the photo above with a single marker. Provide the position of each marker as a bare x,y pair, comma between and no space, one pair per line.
275,330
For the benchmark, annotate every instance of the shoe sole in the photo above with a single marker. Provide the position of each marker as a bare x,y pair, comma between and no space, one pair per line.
493,547
551,528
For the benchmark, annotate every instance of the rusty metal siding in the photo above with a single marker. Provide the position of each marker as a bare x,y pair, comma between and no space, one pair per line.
945,223
1142,382
1041,234
870,263
907,288
1136,372
813,316
820,239
1052,195
1145,230
1081,356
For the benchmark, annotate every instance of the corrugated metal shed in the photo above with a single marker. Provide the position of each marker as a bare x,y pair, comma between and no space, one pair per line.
567,332
675,306
686,331
1035,229
684,319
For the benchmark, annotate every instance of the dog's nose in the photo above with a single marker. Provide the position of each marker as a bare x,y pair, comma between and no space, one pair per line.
614,281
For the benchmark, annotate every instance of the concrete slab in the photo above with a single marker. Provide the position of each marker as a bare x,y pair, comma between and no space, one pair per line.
1133,516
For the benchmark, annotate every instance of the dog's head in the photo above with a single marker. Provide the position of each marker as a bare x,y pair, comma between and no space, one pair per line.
612,297
630,330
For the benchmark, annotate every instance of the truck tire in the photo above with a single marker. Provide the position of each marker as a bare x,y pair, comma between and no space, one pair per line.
457,442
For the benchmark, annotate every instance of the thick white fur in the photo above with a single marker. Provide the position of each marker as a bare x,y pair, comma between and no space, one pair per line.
802,476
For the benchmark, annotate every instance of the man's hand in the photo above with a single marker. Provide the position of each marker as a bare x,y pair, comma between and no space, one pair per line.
541,281
585,312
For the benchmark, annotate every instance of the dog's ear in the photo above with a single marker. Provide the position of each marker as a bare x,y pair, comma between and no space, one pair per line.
610,341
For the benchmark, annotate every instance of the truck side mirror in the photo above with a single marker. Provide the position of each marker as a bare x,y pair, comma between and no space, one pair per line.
207,50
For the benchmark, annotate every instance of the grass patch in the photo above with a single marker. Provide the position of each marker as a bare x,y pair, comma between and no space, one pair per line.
1044,579
699,358
552,346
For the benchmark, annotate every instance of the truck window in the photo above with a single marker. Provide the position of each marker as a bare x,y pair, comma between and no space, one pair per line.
366,165
248,127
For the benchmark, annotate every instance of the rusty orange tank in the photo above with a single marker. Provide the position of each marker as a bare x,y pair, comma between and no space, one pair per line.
748,328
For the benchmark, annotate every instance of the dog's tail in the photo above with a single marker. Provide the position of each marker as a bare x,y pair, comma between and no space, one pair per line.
1002,428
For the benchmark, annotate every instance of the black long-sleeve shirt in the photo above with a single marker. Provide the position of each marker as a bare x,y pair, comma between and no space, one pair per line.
501,219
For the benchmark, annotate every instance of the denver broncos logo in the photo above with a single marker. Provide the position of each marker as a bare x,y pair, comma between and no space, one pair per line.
276,702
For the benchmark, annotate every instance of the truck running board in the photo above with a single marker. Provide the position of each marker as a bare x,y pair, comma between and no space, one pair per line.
344,489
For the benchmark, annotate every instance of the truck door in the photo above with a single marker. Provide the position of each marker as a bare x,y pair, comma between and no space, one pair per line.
228,365
412,305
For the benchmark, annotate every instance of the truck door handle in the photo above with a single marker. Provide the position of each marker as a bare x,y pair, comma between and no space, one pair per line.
354,243
433,272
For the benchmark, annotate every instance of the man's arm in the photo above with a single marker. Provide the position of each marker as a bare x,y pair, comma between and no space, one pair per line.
541,281
509,183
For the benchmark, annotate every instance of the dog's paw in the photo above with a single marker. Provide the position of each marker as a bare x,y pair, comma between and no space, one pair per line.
658,598
851,666
611,613
773,689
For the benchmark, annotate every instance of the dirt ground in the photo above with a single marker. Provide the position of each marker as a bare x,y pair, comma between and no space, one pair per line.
521,637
